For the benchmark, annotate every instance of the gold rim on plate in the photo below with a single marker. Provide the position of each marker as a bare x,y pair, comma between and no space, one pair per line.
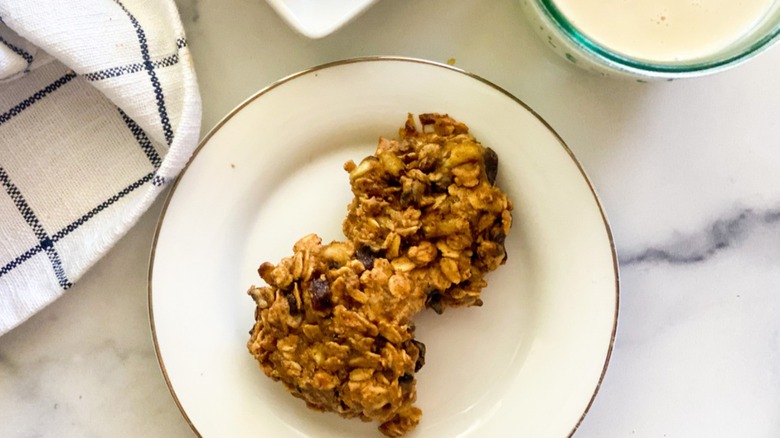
311,70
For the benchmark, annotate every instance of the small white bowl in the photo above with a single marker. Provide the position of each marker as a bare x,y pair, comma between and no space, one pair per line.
319,18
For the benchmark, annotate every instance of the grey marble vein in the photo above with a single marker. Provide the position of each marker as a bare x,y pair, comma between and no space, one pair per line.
722,234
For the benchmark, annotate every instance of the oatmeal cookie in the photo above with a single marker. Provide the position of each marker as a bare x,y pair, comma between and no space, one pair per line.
335,326
428,202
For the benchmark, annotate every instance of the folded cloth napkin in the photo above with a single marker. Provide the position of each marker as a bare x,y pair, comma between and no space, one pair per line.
99,111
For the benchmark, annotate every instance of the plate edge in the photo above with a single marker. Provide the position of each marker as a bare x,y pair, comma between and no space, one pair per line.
285,79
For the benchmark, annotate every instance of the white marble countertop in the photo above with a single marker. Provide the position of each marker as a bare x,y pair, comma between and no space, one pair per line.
689,173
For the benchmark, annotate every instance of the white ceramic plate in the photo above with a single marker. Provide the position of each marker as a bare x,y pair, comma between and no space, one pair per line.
319,18
527,363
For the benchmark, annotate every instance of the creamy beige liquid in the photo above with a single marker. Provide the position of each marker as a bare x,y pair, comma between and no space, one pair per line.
665,30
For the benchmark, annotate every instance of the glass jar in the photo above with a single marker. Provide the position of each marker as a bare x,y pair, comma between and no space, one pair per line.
577,44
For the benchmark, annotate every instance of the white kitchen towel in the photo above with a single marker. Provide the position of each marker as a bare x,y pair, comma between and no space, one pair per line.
99,111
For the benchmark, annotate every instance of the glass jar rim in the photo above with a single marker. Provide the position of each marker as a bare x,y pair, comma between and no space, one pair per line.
589,45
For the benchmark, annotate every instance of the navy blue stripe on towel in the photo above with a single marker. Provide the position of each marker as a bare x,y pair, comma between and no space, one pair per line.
44,241
56,237
142,139
27,57
102,206
40,94
115,72
158,92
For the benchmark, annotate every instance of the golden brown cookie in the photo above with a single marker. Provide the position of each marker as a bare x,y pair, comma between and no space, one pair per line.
428,202
336,328
334,323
